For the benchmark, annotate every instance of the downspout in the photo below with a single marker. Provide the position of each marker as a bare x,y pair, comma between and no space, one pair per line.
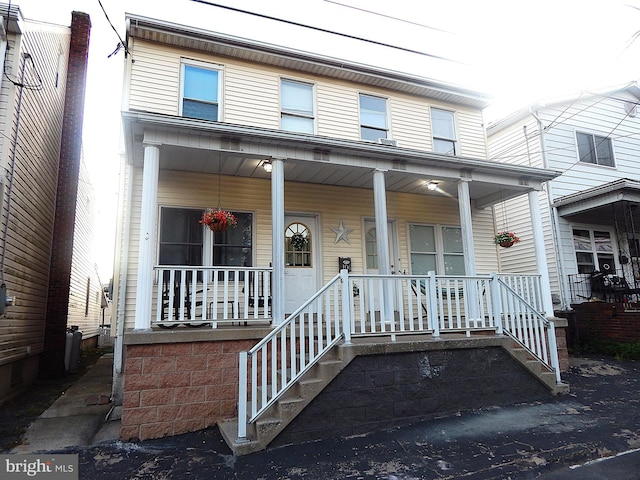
123,254
555,220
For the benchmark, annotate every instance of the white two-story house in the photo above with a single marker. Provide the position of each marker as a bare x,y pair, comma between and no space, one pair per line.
362,232
590,212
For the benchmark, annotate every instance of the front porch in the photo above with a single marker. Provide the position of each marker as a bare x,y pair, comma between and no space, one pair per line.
237,365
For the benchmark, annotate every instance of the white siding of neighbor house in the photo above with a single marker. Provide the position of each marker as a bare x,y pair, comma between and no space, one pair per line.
85,293
603,116
250,96
29,221
242,194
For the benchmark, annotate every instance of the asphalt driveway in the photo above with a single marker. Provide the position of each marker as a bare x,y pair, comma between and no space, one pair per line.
591,432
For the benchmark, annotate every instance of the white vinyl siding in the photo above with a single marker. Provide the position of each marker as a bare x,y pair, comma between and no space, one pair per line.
184,189
86,315
251,97
29,231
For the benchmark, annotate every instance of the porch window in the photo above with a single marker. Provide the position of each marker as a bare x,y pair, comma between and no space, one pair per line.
443,131
436,248
183,240
371,246
297,245
296,106
233,247
199,97
373,117
594,251
181,236
595,149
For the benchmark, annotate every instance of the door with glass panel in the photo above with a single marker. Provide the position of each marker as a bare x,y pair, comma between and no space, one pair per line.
300,255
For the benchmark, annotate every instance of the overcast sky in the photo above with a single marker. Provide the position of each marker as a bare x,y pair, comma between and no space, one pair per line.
516,51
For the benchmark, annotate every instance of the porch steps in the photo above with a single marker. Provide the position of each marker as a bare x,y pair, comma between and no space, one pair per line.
276,418
536,368
273,421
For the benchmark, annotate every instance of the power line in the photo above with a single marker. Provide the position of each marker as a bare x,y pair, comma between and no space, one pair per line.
389,17
324,30
121,43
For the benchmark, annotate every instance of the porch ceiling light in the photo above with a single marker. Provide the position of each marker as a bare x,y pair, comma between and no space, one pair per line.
268,167
432,185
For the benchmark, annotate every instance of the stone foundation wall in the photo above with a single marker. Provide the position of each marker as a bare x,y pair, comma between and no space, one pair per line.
377,392
175,388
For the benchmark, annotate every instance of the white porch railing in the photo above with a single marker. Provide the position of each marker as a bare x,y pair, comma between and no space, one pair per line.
211,295
389,305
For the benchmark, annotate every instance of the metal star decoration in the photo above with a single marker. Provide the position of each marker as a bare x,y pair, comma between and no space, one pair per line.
342,233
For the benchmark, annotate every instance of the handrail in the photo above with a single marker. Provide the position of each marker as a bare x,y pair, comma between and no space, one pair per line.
527,328
277,361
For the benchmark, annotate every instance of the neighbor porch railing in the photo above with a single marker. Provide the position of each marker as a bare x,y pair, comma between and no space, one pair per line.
353,305
211,295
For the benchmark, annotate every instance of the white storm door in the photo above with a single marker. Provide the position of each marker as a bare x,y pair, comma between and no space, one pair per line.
371,249
300,256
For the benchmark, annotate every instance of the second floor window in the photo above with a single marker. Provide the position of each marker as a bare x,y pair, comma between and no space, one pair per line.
296,106
594,149
443,131
200,92
373,117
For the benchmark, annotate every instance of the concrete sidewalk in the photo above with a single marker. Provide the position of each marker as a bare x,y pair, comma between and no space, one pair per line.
81,416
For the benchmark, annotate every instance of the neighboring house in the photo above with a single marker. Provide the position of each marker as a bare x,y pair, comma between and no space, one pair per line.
87,297
590,213
363,204
41,104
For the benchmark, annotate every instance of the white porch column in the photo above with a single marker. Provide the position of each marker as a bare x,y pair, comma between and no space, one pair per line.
382,225
382,241
541,257
464,205
148,214
277,236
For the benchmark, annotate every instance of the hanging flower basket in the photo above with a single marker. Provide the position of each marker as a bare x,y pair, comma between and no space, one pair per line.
218,220
505,239
298,241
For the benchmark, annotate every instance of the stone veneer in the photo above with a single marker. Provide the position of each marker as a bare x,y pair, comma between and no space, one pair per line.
180,383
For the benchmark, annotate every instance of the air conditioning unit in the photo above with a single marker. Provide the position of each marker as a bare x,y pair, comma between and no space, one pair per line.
387,141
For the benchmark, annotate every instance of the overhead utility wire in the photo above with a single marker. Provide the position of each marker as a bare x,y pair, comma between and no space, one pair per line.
388,16
121,44
324,30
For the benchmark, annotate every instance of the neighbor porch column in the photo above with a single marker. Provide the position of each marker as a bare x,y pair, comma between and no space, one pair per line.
464,206
541,256
148,214
277,239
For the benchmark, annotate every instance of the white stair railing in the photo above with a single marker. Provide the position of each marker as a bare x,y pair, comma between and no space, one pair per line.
275,363
528,327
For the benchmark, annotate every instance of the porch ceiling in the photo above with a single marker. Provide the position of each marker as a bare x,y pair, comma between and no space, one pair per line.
212,147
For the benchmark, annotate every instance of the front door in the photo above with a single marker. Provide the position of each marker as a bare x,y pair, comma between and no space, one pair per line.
300,256
371,247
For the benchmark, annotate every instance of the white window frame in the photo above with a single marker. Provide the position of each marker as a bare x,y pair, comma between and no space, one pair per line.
386,130
284,113
205,66
434,137
439,244
208,235
593,250
593,136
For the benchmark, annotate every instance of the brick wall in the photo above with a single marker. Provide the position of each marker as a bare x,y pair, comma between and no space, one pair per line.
175,388
52,359
604,320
